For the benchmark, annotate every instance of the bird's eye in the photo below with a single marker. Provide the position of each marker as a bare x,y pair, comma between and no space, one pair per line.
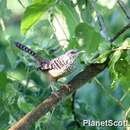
73,52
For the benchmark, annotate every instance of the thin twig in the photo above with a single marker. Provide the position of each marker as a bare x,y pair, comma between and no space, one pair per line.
125,95
102,26
101,23
21,3
125,28
124,8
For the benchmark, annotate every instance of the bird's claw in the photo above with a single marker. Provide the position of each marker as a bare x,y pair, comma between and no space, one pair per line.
55,94
66,86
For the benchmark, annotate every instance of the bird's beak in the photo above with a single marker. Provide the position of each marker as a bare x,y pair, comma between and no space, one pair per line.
81,52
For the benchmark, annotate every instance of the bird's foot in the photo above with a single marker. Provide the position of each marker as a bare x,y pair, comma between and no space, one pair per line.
55,94
54,91
66,86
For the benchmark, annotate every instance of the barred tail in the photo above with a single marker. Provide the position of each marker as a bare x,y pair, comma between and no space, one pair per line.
25,49
44,64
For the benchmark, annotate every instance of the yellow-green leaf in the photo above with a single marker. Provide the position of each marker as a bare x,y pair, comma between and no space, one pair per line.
33,13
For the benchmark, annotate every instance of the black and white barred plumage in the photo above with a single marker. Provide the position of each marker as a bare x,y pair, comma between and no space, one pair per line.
56,67
63,64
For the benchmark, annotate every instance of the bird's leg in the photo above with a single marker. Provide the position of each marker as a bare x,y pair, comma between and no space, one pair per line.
53,88
64,85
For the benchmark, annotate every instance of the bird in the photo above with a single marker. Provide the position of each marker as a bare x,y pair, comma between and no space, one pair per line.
57,67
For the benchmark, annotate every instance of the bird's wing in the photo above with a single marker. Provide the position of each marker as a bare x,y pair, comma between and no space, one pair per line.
45,65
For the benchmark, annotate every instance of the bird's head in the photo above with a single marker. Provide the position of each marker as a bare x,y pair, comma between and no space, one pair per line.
74,52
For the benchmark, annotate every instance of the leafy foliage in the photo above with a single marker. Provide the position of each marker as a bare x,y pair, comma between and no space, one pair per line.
33,14
51,27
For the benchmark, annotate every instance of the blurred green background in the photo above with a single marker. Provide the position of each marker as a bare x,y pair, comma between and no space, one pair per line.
50,28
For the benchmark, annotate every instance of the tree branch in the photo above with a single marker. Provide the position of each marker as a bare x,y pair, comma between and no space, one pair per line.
84,76
100,20
125,28
21,3
90,71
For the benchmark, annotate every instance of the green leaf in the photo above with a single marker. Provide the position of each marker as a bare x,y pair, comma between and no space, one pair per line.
3,80
122,67
33,13
118,65
2,6
109,4
116,56
10,94
89,39
86,10
125,81
23,105
11,56
103,56
71,17
73,43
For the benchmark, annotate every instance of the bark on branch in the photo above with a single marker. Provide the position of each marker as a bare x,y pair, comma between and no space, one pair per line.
26,122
